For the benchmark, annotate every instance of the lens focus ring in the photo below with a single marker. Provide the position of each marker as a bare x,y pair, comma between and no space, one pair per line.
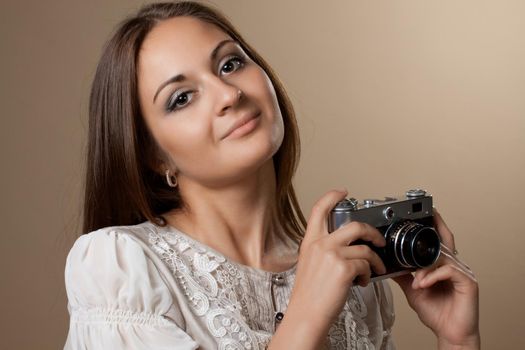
413,245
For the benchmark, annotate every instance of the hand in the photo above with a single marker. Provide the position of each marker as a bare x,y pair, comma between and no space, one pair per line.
445,296
327,265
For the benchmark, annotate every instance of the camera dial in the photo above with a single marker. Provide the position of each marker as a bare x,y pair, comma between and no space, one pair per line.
346,205
415,193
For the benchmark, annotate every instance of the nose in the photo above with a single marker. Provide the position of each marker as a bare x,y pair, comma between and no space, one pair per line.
228,96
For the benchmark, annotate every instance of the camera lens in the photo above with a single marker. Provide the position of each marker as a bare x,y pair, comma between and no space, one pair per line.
413,244
425,247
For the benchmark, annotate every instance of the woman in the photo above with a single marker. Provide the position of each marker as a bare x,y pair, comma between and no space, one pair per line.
194,226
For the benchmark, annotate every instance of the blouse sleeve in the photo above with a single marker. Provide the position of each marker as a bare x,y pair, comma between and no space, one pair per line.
117,298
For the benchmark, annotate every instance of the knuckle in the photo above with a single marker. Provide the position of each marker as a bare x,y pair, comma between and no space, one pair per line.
338,268
356,226
318,208
364,227
364,250
318,247
332,257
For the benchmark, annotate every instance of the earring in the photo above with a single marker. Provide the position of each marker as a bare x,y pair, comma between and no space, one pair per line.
169,179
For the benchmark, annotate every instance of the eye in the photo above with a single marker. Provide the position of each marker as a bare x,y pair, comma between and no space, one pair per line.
231,65
179,100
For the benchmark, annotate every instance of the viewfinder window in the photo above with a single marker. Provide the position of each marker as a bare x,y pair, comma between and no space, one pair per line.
417,207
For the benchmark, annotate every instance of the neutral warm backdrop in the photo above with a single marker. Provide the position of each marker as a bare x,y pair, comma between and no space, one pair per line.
389,94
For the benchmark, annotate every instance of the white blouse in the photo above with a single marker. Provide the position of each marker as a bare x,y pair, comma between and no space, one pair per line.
151,287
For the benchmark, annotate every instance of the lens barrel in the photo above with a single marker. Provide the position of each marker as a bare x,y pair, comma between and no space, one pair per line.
412,245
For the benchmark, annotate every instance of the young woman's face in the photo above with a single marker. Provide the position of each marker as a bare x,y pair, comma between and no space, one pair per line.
211,109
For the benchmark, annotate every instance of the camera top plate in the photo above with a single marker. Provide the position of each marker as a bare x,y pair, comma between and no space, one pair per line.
413,205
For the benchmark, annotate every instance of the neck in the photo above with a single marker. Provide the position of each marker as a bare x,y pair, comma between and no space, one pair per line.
238,220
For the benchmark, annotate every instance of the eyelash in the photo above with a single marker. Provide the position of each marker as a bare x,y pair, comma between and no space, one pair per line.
171,106
172,102
239,60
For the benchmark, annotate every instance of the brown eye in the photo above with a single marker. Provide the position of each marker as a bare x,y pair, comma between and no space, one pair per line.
179,100
231,65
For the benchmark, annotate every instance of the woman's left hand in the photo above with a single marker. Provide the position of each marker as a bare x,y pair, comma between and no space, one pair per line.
446,296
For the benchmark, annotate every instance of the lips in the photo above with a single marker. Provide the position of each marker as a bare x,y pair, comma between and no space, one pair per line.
240,122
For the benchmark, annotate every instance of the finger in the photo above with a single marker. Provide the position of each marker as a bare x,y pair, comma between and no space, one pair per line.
444,259
446,235
360,269
444,273
419,275
364,252
317,222
354,230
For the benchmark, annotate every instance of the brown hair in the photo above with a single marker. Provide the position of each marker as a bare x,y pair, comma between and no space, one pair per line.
122,186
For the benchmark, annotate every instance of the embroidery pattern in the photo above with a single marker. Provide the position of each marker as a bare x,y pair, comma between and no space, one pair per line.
116,316
217,291
350,331
210,283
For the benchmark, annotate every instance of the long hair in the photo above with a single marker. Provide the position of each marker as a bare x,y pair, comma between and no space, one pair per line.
122,186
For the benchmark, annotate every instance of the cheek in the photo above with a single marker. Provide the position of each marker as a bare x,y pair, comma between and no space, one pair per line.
273,111
184,142
262,89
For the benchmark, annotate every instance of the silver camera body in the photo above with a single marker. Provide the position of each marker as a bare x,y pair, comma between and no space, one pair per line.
405,221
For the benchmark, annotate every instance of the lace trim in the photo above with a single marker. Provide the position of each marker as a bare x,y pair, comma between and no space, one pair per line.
210,282
217,292
350,331
114,316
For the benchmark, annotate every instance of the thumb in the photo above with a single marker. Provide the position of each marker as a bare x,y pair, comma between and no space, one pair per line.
317,222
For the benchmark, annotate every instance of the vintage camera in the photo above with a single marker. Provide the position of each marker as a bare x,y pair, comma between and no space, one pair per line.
406,223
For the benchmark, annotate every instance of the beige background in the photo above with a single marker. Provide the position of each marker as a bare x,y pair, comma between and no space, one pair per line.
389,94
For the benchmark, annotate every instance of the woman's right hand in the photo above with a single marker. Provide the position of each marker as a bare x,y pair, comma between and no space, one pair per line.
326,268
328,264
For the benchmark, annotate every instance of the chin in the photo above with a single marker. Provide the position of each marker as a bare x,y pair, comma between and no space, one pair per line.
253,157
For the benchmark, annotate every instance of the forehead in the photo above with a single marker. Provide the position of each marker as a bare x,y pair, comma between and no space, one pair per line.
179,42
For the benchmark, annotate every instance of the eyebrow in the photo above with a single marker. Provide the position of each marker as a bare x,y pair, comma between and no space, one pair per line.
180,77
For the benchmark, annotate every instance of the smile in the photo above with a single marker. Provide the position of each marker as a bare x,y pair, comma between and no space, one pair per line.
242,128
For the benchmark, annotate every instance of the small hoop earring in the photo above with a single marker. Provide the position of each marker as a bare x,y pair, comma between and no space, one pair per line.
169,179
